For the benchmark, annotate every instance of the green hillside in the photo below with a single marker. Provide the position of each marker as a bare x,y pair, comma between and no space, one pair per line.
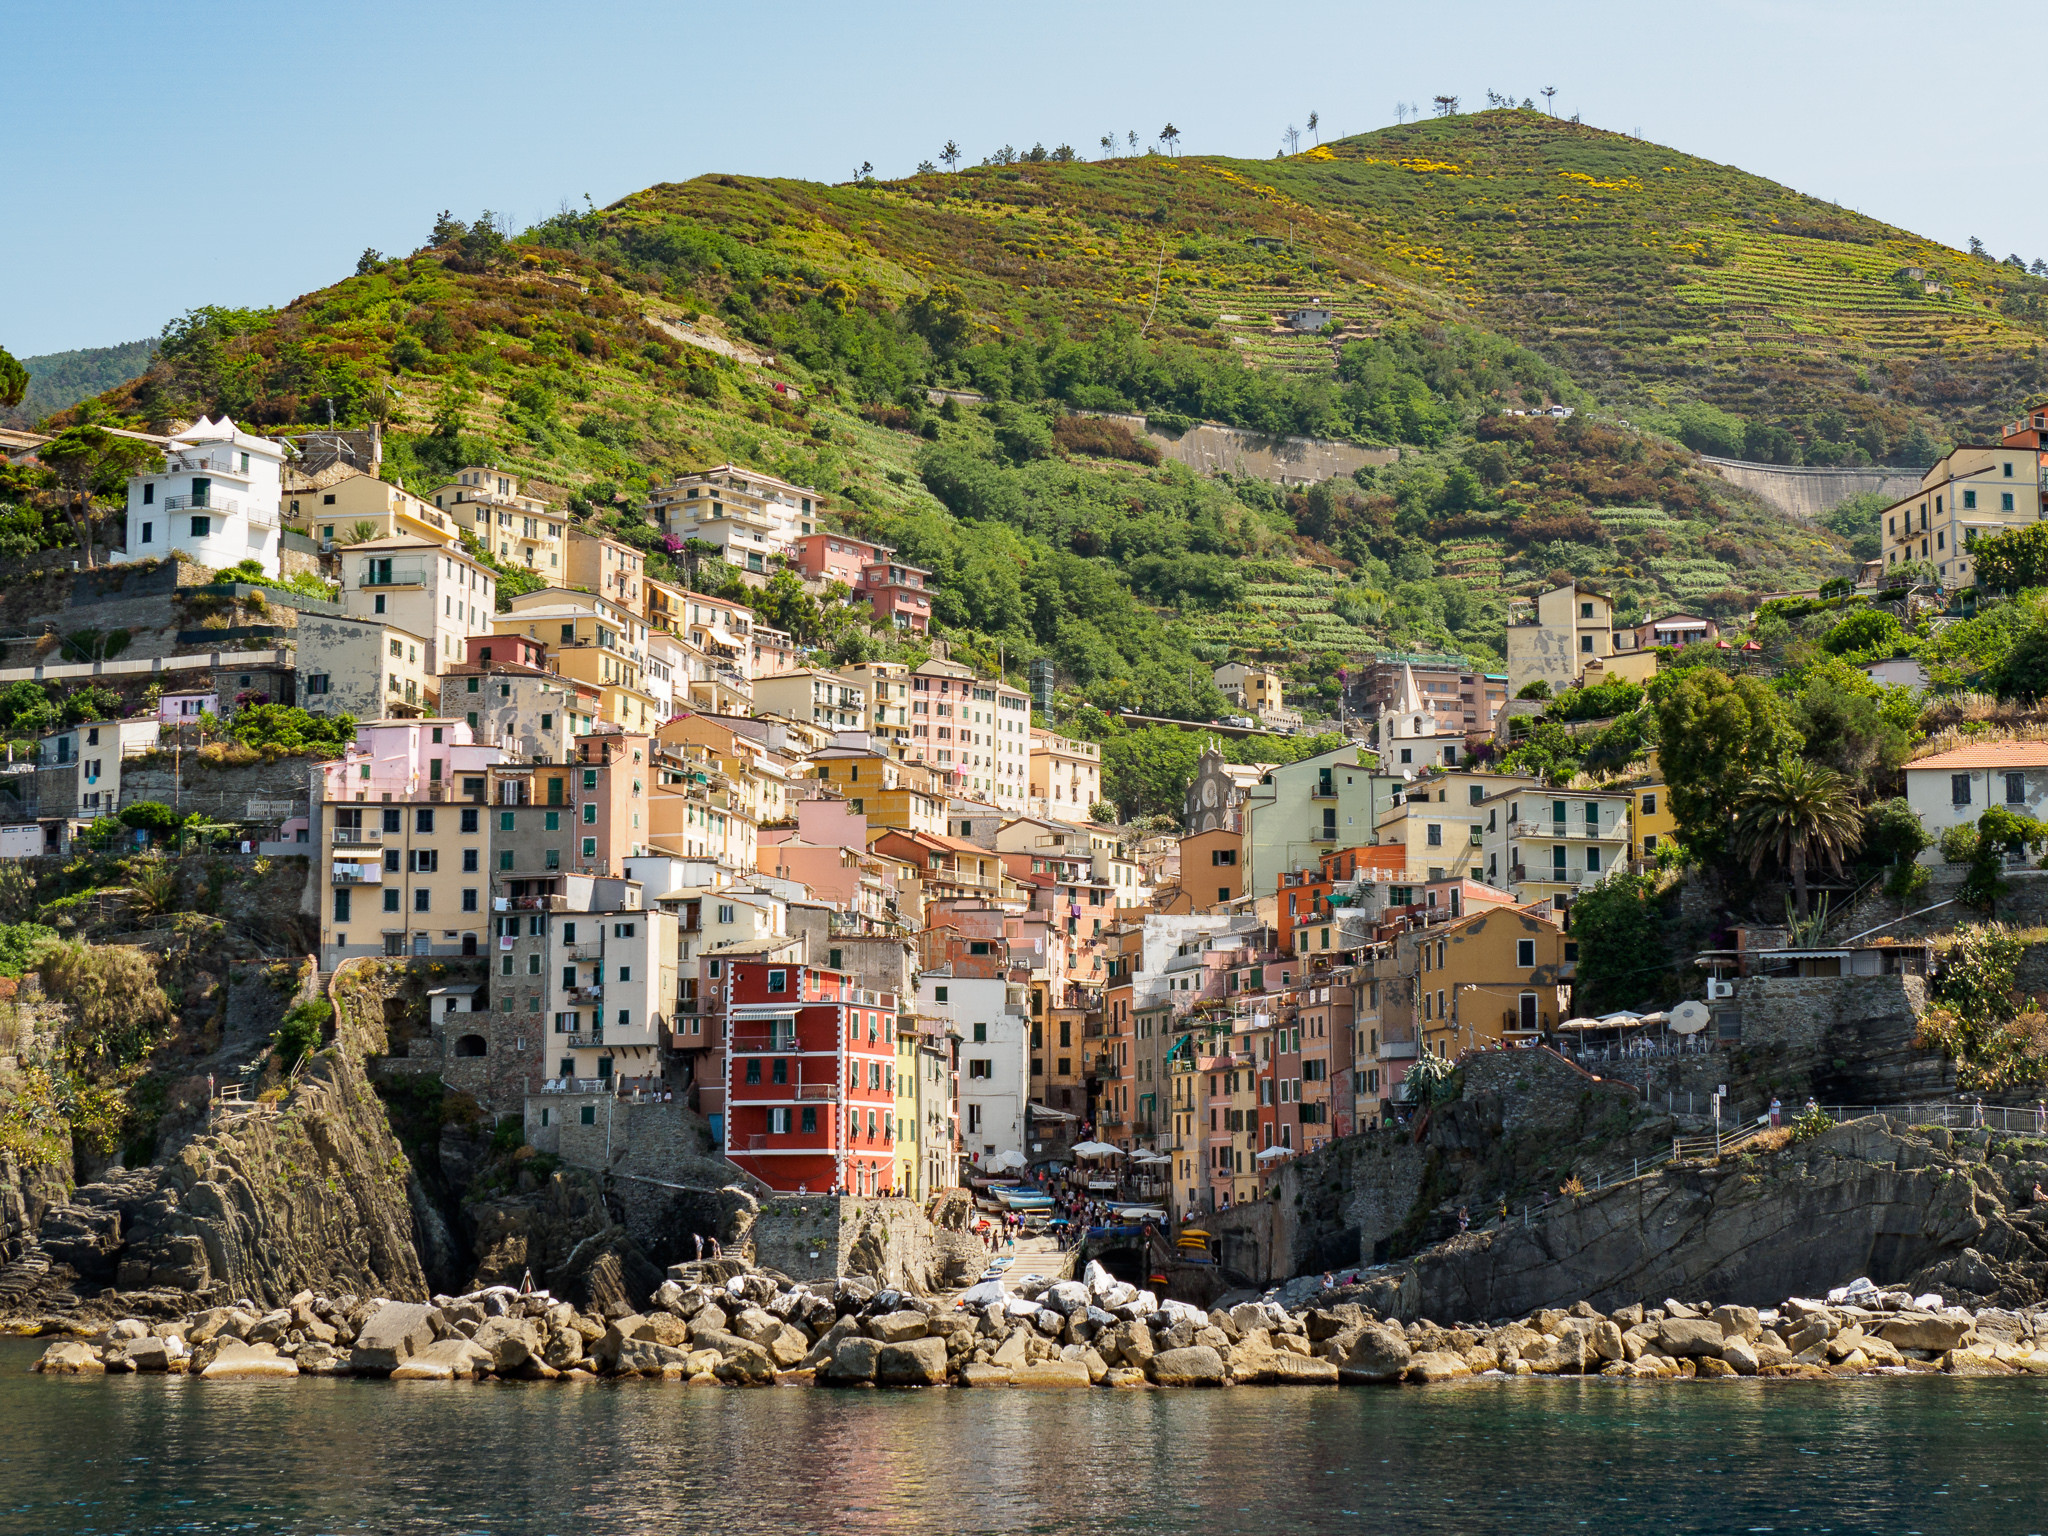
59,380
1474,265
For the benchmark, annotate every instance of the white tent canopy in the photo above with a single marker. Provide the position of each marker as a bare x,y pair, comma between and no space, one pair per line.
1271,1153
1095,1149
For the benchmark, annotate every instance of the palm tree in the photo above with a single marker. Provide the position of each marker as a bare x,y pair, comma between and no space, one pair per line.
1315,118
1549,103
1794,812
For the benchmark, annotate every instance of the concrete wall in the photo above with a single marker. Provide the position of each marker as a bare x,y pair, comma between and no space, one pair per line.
1808,492
816,1237
1208,448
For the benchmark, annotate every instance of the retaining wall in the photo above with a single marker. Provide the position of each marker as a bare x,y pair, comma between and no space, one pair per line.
1808,491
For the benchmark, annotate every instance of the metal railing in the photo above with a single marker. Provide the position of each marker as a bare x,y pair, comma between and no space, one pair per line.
348,835
366,874
202,504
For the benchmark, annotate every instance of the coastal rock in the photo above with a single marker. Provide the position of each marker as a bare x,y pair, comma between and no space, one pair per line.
1437,1365
917,1362
147,1355
1681,1337
1380,1352
975,1374
508,1342
393,1334
1070,1373
1741,1357
1925,1332
71,1357
455,1359
854,1361
234,1360
1196,1366
897,1327
1738,1322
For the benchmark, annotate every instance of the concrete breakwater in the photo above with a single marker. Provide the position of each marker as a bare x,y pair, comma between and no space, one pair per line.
724,1323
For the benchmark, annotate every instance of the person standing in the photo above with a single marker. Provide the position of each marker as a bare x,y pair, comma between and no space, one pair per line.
1777,1115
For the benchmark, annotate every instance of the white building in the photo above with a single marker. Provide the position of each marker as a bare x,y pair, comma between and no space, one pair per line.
991,1017
215,500
1952,789
1410,741
746,515
424,589
611,990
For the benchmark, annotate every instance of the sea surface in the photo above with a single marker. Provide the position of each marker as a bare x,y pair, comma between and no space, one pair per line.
147,1454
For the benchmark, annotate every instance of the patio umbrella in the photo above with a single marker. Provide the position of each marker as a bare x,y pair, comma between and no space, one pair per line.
1271,1153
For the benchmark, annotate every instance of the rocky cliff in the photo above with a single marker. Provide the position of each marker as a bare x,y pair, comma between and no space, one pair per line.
1870,1198
310,1194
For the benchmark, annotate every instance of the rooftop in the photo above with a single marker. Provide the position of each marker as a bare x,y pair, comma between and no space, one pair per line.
1990,754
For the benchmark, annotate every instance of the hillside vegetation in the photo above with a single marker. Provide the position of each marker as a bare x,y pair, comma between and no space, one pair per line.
1474,265
59,380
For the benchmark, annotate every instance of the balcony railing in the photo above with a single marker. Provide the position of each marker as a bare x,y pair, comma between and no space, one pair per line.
828,1091
754,1042
1566,830
358,874
584,994
346,835
203,504
1399,1050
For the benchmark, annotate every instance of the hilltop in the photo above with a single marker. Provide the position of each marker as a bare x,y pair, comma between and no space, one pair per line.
1471,266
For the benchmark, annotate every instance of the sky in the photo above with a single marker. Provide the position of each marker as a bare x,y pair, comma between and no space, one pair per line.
168,155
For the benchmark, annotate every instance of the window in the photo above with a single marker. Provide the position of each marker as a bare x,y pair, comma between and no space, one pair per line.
590,813
1649,805
1586,643
201,527
1525,954
469,900
810,1119
1969,503
1959,789
552,824
778,1121
148,530
590,847
2015,789
2005,499
469,858
980,1067
420,900
778,981
938,994
341,905
423,820
981,1034
1436,835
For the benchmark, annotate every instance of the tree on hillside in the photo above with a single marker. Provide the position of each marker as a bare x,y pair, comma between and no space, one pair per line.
1170,137
1716,732
1793,812
2016,558
1108,142
951,155
1619,936
1445,105
88,469
13,379
1549,95
1292,135
1315,118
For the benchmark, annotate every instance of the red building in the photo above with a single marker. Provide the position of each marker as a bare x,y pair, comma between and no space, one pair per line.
810,1079
899,593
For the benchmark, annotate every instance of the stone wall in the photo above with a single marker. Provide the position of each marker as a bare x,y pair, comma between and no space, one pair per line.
1801,1013
814,1237
1808,492
266,793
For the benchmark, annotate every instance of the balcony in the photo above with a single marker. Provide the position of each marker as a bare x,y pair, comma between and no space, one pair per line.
204,504
584,994
756,1042
345,836
1399,1050
818,1091
358,874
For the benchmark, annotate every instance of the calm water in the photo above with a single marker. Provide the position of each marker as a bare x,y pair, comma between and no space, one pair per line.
152,1454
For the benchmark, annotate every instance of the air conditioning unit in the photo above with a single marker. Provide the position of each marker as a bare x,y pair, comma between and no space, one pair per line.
1718,990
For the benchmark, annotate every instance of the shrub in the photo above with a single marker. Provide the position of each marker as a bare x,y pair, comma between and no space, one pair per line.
1811,1123
1103,439
300,1032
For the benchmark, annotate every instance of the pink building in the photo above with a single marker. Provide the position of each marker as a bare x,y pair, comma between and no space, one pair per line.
897,592
835,556
407,760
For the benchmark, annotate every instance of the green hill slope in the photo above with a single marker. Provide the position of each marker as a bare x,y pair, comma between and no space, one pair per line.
59,380
1472,265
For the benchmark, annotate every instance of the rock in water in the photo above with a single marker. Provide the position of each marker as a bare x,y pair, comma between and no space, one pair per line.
917,1362
1196,1366
394,1333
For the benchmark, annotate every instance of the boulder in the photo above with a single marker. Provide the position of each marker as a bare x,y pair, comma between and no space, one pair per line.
1062,1373
147,1355
916,1362
898,1327
455,1359
1738,1322
1199,1365
1742,1356
1011,1353
644,1357
508,1342
1606,1342
1380,1352
1713,1365
1922,1331
1287,1369
788,1348
828,1342
1064,1296
1972,1362
391,1335
71,1357
756,1325
1437,1365
663,1328
1682,1337
975,1374
855,1360
233,1360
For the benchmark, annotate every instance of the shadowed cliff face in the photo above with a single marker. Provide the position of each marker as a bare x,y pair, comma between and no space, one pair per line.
1862,1200
313,1197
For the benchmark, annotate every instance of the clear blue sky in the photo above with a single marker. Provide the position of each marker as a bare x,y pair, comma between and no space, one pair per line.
165,155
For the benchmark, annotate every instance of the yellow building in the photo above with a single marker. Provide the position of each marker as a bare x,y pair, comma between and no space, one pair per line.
591,640
887,686
1253,688
1653,826
1500,975
612,570
881,789
1973,492
909,1162
519,530
1066,776
360,507
1441,821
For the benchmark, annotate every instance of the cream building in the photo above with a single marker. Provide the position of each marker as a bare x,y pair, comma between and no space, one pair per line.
747,516
1066,776
424,588
1551,637
1972,493
592,641
360,508
517,529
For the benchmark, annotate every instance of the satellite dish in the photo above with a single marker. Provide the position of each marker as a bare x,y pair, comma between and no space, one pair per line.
1690,1018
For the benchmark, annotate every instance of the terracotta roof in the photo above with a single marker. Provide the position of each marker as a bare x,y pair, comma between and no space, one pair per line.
1990,754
